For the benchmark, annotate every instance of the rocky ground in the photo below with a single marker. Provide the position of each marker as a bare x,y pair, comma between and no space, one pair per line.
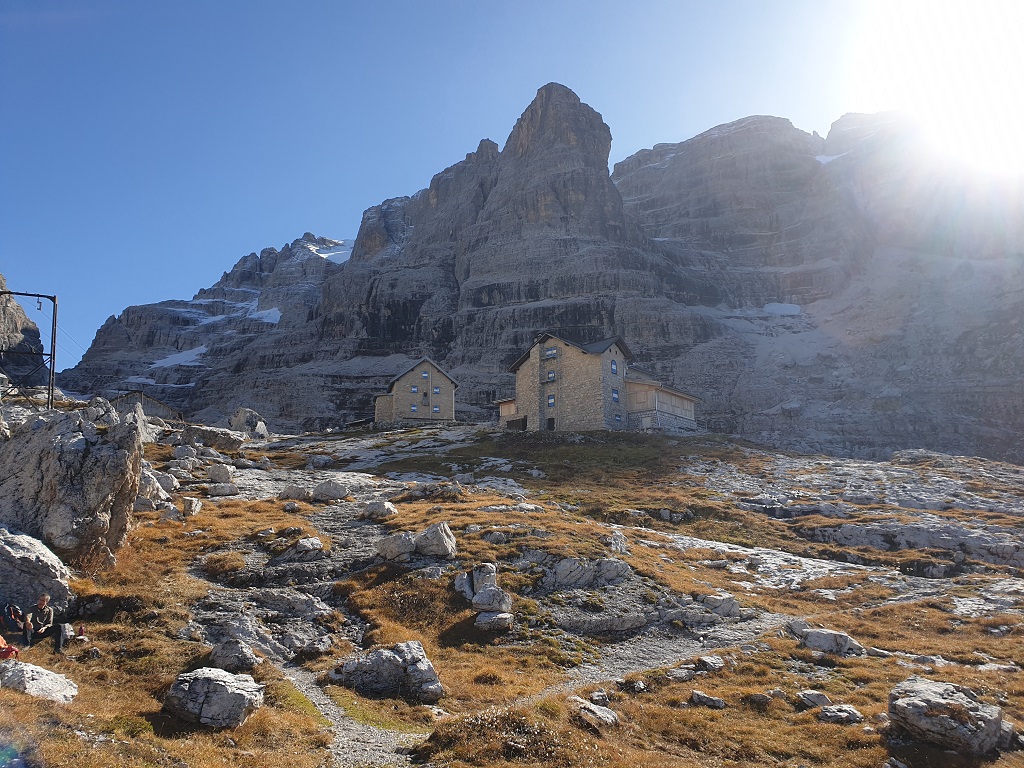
431,580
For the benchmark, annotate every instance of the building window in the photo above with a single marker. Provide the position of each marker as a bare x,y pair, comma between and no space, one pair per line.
437,390
425,375
615,395
618,419
551,375
437,409
413,407
551,352
551,401
615,368
415,388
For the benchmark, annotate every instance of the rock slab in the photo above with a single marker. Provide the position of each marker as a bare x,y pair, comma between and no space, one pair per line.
36,681
945,715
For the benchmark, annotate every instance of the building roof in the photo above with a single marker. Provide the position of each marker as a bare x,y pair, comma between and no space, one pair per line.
594,348
646,377
414,366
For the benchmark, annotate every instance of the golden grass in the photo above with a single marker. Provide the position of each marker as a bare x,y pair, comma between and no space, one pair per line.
140,605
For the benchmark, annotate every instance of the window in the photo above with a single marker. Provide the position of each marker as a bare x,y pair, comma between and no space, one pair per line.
615,395
413,407
618,419
551,375
615,368
437,409
437,390
551,352
425,375
551,401
415,388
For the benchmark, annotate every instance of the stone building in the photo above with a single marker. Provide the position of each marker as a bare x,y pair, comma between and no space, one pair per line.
565,386
424,392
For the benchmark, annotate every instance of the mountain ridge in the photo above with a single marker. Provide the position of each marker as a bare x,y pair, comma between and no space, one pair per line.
687,250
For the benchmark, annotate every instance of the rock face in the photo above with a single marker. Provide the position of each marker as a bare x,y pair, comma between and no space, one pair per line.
402,670
71,479
213,697
19,338
946,715
843,295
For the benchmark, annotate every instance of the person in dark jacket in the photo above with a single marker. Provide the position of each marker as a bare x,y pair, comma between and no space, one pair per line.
14,619
40,623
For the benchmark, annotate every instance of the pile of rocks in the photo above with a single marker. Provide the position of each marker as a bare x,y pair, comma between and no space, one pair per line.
480,587
403,670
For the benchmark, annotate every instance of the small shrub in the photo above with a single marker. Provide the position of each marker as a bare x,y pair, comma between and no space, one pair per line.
220,563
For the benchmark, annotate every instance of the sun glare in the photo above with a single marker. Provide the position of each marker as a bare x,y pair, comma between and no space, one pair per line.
957,67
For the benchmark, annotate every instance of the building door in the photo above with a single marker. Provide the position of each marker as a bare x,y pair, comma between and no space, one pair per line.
551,425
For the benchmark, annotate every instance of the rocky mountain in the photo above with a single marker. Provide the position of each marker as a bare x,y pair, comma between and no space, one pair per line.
848,294
20,347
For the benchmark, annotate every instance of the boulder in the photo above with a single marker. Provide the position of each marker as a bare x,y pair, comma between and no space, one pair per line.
234,655
184,452
711,663
303,551
190,506
377,510
946,715
831,641
471,582
150,486
840,714
397,547
436,540
494,621
593,716
811,698
36,681
701,699
220,473
214,697
28,568
248,421
330,490
72,482
401,670
222,489
213,437
296,493
492,599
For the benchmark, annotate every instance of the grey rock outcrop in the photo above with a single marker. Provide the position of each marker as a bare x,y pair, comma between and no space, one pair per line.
214,697
831,641
401,670
19,339
436,540
944,714
248,421
234,655
36,681
840,714
593,716
28,568
72,481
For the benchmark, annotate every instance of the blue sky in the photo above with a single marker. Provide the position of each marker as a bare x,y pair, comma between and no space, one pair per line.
146,146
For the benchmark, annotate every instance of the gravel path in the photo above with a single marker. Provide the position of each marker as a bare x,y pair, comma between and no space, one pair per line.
355,745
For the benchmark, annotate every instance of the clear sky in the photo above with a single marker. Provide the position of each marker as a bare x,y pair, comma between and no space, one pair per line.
146,146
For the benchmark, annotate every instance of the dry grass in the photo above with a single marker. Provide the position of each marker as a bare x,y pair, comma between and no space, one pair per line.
139,606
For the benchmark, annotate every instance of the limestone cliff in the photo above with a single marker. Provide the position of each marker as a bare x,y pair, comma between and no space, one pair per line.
20,347
848,294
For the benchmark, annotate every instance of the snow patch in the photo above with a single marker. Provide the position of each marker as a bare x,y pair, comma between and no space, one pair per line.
825,159
336,253
139,380
272,315
186,357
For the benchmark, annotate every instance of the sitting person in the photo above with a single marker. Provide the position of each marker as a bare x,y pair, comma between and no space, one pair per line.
40,623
